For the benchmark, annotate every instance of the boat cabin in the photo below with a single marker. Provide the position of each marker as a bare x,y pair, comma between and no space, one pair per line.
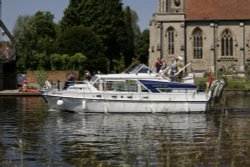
139,83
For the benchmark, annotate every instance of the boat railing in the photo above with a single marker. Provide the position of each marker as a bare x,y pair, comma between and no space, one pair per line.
182,69
174,76
62,85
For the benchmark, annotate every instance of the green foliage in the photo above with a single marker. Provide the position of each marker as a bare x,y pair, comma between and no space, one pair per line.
41,77
35,35
119,66
141,47
247,69
230,82
79,39
77,62
238,83
99,30
21,26
59,62
128,47
42,32
103,17
42,60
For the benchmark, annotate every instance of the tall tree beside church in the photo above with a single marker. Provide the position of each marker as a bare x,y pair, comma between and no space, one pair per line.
129,46
79,39
103,17
134,24
141,47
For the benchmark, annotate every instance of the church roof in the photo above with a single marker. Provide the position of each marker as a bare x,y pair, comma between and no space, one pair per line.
217,9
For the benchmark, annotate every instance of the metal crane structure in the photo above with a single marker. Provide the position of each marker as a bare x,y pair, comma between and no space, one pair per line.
7,48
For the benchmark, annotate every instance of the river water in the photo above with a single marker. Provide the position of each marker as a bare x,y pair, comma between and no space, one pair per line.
32,135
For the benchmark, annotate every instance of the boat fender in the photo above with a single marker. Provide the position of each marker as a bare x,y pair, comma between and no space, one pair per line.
152,108
59,102
220,89
106,108
84,104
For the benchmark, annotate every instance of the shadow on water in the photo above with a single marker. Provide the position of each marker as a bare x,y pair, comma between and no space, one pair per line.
32,135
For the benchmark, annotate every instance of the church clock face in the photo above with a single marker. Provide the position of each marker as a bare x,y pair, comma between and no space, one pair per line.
177,3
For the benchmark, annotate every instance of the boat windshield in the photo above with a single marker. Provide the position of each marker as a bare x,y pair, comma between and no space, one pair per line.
93,79
141,68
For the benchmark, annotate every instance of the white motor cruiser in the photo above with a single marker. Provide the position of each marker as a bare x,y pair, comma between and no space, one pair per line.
133,92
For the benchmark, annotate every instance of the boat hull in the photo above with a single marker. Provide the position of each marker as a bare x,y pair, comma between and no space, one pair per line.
145,107
108,105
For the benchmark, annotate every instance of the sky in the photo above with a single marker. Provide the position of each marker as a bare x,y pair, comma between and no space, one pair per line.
11,9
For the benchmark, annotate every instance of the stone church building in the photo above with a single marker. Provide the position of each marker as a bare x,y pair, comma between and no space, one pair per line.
213,34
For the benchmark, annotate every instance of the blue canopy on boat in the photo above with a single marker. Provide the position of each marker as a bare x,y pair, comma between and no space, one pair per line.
155,86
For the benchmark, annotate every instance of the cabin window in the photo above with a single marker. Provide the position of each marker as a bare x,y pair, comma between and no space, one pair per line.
121,86
131,86
227,43
143,89
197,44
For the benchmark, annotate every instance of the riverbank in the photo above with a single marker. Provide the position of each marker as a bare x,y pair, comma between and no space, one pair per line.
18,93
236,91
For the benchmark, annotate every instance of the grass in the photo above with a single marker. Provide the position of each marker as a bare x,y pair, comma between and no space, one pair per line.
231,82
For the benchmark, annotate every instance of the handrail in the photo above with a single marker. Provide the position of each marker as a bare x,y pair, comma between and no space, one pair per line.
182,69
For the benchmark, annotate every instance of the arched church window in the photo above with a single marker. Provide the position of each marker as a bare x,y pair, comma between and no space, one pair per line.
197,44
170,32
226,43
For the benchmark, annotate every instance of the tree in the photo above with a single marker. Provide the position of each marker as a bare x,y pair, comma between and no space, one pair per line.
79,39
35,35
43,31
21,26
129,45
134,24
59,62
103,17
19,29
77,62
142,46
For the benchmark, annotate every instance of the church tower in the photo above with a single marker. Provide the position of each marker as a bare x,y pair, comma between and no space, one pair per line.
167,30
170,6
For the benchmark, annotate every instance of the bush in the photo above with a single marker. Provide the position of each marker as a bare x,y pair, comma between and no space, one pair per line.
41,77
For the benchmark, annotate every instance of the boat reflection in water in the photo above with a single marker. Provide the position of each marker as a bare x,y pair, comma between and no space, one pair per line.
131,138
153,139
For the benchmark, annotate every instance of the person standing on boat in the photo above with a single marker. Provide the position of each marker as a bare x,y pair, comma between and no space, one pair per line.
164,65
87,75
173,67
70,79
158,65
179,66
